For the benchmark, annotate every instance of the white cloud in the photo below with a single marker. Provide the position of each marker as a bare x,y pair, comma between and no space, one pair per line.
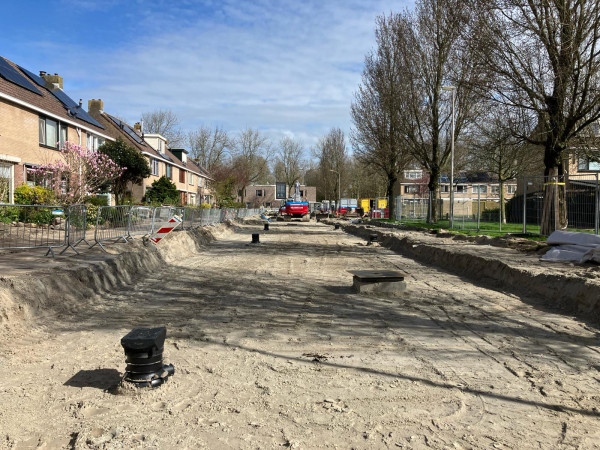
289,68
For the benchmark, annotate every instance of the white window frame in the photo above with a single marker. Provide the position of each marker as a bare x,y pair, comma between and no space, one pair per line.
61,132
93,142
511,188
155,167
479,189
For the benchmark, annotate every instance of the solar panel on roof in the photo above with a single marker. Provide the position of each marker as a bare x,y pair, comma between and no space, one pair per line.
127,129
36,78
74,108
9,73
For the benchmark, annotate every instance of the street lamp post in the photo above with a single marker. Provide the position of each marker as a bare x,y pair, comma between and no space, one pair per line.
339,199
453,89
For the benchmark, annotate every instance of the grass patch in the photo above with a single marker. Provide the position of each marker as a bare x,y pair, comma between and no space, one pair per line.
470,228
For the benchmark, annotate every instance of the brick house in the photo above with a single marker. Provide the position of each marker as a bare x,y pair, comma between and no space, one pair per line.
36,118
273,195
191,180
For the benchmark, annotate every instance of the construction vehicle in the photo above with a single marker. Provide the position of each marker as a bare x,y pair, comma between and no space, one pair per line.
295,208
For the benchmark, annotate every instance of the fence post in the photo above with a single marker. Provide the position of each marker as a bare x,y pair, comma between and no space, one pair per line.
478,208
596,217
399,208
524,205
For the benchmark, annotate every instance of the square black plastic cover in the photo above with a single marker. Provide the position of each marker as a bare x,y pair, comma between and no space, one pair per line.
144,339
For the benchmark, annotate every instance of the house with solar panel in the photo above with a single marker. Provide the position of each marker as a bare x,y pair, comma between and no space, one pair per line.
192,181
36,118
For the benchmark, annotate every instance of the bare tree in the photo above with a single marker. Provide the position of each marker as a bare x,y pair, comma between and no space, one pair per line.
545,55
377,137
495,149
165,123
332,159
434,56
290,165
251,153
209,146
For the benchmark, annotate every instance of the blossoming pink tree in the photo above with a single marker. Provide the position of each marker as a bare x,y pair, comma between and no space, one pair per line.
80,172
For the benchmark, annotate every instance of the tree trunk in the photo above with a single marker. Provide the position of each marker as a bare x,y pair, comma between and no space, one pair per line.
390,195
554,210
433,185
502,204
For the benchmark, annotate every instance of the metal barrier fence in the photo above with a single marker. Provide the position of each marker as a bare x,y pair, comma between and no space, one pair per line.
52,227
478,206
112,224
140,220
32,226
76,227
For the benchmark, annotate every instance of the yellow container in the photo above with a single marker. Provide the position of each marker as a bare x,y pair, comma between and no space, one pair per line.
365,204
381,203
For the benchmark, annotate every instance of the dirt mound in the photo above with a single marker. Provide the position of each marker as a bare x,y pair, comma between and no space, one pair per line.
42,293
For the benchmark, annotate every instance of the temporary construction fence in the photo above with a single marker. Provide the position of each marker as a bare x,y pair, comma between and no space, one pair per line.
52,227
577,195
33,226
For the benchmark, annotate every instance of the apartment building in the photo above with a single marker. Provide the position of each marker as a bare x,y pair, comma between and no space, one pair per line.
468,188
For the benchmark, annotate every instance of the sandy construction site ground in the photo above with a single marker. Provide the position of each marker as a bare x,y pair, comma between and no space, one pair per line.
273,349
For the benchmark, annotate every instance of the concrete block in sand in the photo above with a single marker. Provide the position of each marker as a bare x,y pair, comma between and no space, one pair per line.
379,282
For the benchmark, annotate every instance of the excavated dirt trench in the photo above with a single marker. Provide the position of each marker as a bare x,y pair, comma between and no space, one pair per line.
569,287
272,347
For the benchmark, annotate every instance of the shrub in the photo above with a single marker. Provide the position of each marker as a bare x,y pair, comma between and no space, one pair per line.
96,200
36,195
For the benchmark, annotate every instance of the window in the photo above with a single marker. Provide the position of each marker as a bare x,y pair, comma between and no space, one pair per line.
35,178
191,178
93,141
587,165
413,174
181,176
259,193
169,172
154,165
511,188
6,182
301,193
444,188
461,188
280,191
52,133
479,189
495,189
411,189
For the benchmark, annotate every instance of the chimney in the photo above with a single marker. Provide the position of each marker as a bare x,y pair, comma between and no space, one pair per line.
95,106
138,128
53,82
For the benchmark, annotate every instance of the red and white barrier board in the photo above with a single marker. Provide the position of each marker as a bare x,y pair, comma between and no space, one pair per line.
165,229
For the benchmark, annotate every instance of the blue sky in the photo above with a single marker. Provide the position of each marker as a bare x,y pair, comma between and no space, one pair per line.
288,68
